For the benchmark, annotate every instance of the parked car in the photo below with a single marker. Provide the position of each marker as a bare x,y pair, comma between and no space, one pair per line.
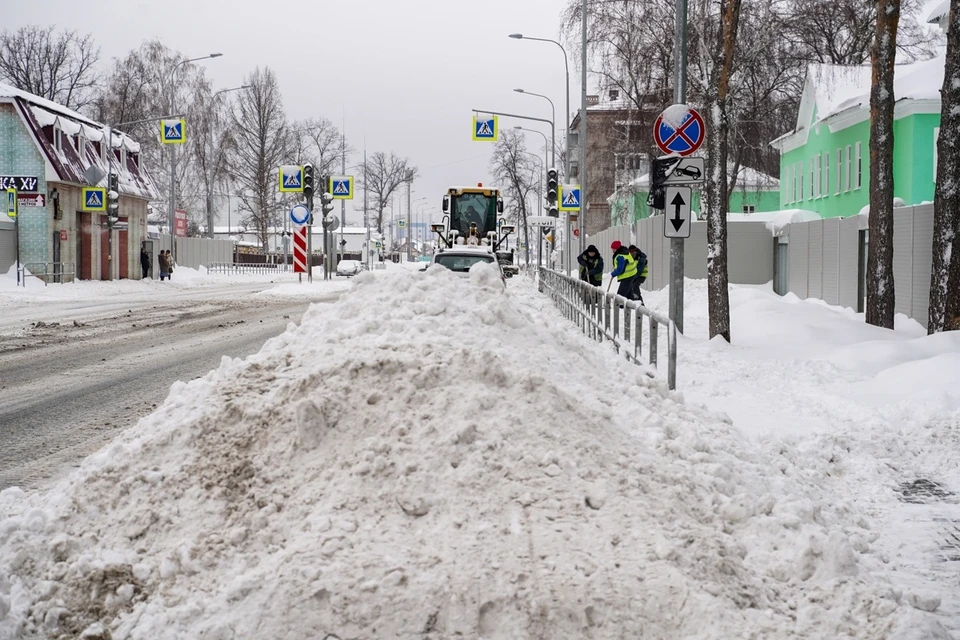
349,267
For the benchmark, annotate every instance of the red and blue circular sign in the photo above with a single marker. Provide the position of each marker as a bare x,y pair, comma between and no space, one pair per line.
682,139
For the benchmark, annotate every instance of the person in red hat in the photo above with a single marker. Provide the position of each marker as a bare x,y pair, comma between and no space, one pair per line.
624,270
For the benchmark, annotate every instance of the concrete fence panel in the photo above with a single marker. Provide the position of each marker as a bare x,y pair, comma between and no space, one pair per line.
903,259
922,252
749,253
799,259
848,263
815,260
831,261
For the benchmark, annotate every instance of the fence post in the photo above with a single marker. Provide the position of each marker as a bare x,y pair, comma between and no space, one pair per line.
638,338
672,359
653,342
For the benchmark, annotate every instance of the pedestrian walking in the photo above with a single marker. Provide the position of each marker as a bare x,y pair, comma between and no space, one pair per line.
642,271
169,265
591,266
164,267
145,262
624,270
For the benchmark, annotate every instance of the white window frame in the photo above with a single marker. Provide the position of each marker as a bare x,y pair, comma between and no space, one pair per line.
826,174
800,173
749,208
936,152
846,171
813,172
787,196
857,166
839,171
57,138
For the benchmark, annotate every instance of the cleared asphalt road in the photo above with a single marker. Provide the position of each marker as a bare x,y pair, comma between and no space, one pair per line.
73,376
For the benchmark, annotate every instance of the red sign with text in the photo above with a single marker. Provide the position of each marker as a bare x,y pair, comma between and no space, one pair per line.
180,223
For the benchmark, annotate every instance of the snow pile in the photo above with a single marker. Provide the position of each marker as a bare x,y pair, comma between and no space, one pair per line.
425,459
778,221
674,115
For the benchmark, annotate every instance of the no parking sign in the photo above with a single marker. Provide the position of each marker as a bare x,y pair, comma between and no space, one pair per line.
679,130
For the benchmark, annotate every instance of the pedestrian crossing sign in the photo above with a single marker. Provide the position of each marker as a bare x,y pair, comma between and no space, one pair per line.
569,197
485,128
11,203
94,199
401,223
291,178
341,187
173,131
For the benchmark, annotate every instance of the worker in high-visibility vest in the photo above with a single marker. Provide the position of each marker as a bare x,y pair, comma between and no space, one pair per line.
642,271
624,270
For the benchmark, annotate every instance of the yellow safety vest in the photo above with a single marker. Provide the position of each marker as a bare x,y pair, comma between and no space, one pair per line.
631,268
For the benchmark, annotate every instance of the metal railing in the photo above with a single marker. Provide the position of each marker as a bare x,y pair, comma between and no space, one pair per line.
604,315
240,268
48,272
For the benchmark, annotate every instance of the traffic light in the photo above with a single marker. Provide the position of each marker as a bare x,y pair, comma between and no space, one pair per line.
113,199
308,180
552,186
326,202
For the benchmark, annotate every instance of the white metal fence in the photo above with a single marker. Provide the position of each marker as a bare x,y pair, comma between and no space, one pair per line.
603,315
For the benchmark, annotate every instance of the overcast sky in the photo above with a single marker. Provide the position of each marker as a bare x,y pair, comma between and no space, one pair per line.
405,75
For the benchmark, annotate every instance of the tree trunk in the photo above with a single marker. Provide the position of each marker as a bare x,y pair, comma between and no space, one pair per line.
945,272
881,296
718,197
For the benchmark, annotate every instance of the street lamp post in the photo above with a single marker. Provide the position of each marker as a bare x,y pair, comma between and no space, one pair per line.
545,143
211,165
553,110
566,125
173,156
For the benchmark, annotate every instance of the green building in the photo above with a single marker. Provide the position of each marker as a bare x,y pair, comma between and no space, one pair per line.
825,160
754,192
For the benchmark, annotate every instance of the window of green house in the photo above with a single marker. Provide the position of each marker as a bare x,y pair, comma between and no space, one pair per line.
846,170
749,208
857,167
936,138
826,174
837,171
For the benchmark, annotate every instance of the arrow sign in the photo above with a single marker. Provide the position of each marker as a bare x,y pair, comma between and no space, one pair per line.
676,220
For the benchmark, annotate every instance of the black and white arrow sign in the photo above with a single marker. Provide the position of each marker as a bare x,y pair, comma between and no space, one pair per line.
676,219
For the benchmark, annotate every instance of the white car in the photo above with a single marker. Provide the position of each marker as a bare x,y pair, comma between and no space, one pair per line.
459,260
349,267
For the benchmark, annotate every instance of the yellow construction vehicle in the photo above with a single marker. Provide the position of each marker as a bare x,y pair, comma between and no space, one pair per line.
472,218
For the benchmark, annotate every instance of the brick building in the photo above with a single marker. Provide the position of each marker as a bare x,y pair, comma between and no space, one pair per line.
45,149
619,148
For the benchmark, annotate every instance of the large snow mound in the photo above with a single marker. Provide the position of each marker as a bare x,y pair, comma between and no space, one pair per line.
423,460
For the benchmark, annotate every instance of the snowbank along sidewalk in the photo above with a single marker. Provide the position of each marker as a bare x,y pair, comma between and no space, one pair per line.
432,457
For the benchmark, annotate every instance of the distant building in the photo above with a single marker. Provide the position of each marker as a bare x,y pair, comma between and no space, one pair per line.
619,148
45,150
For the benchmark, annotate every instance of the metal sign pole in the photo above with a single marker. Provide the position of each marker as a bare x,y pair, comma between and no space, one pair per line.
680,95
310,238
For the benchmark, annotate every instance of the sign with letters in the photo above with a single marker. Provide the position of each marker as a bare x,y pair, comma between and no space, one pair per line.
20,183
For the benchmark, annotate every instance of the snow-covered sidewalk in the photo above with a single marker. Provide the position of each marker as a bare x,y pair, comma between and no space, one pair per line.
432,457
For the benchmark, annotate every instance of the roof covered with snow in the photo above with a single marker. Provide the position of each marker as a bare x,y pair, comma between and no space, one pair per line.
83,147
835,89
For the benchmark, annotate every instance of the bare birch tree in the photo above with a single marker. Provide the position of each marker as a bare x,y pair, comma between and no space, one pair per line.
56,65
511,166
262,141
384,174
945,270
881,296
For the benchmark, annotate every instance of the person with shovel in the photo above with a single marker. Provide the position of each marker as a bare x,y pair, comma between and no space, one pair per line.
624,270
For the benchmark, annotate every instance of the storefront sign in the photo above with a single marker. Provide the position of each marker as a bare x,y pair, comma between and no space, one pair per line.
31,199
180,223
20,183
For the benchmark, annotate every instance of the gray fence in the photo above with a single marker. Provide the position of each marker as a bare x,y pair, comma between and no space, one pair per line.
750,259
196,252
826,260
8,245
